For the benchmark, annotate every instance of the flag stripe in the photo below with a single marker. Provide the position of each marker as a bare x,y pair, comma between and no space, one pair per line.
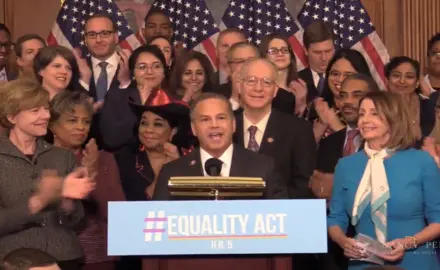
299,51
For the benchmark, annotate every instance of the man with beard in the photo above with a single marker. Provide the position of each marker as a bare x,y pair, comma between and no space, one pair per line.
340,144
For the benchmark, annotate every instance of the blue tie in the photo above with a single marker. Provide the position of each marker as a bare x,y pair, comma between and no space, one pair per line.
321,83
101,84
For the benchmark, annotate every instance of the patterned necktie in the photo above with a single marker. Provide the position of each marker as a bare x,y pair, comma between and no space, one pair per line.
253,145
349,147
102,83
320,87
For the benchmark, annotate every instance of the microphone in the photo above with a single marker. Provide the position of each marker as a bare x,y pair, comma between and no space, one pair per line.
213,166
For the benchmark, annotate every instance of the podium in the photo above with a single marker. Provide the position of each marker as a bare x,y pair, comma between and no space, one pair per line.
217,234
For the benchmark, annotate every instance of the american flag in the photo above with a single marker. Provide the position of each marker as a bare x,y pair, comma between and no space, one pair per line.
348,18
193,24
352,28
68,29
257,18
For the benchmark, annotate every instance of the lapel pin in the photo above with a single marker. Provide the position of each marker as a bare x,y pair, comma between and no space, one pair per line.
193,162
270,140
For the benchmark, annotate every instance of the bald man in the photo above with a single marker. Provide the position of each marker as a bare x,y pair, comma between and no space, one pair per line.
263,129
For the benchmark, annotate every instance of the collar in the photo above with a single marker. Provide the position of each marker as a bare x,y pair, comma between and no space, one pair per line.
113,61
8,148
349,128
316,74
261,126
226,157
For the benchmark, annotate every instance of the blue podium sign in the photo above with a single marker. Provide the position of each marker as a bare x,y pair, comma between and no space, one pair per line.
217,227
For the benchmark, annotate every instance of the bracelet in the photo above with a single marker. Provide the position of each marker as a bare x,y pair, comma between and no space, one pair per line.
415,242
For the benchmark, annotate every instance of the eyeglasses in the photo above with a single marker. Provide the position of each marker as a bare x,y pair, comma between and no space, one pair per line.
252,81
275,51
335,74
434,54
102,34
155,67
6,45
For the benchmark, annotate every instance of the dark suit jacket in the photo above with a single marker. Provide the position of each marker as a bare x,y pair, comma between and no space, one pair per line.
306,75
117,119
330,151
244,163
95,131
290,142
284,101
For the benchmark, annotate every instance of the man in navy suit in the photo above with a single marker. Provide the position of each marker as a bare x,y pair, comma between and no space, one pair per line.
318,41
106,68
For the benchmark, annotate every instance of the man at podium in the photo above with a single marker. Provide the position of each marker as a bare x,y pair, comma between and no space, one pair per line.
213,123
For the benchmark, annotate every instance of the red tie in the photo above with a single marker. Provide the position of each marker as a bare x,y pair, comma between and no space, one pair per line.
349,147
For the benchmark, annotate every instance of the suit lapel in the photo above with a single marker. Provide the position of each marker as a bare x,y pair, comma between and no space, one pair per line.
270,133
195,167
239,129
340,142
236,166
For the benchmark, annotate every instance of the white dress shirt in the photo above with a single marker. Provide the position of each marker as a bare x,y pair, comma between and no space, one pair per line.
112,67
222,77
226,159
315,77
3,75
357,140
235,104
261,127
426,78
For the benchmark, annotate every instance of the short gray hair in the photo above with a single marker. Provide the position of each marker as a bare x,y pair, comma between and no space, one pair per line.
240,45
206,96
244,69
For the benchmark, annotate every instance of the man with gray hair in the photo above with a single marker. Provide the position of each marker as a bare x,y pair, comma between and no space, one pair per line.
237,55
265,130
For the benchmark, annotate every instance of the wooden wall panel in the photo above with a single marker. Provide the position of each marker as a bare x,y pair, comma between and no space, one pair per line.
421,20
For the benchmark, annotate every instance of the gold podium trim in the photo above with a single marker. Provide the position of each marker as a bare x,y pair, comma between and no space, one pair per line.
215,187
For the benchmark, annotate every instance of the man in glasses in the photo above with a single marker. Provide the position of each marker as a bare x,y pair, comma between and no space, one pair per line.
237,55
263,129
433,63
106,68
6,74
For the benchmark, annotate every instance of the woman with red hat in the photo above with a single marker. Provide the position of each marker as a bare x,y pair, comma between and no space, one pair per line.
163,134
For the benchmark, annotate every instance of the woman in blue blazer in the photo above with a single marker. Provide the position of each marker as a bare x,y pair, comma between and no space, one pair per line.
388,191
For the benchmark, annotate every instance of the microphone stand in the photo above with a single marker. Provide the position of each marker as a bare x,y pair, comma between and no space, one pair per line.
216,194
